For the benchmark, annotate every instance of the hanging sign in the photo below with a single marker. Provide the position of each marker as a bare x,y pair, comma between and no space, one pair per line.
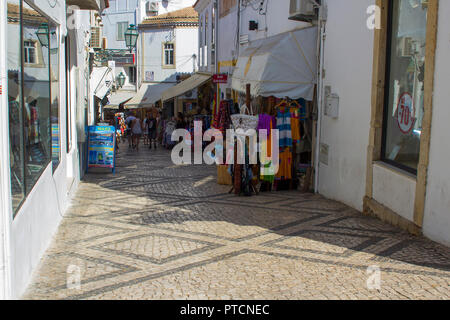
101,147
220,78
405,113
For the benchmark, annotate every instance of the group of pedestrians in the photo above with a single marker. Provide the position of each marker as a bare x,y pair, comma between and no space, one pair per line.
137,128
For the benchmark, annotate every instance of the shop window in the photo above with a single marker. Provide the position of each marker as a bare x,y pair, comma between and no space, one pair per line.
28,97
16,114
121,29
404,105
169,54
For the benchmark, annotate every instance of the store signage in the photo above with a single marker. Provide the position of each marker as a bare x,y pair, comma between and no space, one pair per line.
220,78
101,147
405,113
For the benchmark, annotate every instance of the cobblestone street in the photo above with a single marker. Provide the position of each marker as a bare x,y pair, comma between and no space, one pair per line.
159,231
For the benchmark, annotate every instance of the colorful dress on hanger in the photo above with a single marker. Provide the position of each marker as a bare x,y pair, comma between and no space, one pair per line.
284,128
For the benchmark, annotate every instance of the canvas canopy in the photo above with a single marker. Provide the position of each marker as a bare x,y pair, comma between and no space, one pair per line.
102,80
189,84
118,98
148,94
284,65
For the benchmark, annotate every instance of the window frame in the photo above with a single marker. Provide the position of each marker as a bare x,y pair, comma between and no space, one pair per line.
28,187
173,50
27,50
386,93
117,30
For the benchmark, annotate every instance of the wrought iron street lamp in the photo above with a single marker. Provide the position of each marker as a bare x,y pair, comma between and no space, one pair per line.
43,35
131,36
121,79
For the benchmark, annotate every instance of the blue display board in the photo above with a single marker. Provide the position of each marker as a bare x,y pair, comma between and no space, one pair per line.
101,147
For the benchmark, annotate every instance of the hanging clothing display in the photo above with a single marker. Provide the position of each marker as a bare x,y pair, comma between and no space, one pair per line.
284,128
285,168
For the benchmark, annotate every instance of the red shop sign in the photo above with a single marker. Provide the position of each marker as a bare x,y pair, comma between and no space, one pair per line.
220,78
405,113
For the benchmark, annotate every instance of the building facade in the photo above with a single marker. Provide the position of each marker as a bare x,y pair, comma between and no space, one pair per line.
379,97
386,146
167,48
44,99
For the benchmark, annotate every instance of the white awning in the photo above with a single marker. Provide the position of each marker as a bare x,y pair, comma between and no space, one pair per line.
102,80
148,95
284,65
117,98
88,4
189,84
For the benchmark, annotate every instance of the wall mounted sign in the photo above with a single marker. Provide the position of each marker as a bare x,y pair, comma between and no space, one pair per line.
101,147
220,78
405,113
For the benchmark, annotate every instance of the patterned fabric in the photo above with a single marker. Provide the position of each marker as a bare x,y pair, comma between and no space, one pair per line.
222,119
284,127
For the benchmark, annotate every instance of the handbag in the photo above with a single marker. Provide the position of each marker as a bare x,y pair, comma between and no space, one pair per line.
243,122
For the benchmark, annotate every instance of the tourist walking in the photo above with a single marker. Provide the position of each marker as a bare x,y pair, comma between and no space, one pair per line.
136,131
151,127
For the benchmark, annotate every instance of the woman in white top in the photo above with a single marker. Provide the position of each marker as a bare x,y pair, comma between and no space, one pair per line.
136,129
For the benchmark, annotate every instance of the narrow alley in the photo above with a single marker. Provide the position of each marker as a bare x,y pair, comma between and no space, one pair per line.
158,231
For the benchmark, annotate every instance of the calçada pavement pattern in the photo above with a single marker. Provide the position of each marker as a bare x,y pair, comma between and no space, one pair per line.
155,230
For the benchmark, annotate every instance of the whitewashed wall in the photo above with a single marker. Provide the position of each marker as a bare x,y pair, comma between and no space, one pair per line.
186,43
30,233
274,22
348,70
437,205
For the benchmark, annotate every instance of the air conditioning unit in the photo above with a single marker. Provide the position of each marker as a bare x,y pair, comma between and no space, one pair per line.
95,41
151,8
303,10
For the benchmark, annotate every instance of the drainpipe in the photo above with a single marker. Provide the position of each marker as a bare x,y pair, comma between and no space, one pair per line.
321,47
216,6
5,200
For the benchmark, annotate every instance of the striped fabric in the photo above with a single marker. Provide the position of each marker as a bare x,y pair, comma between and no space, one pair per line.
284,127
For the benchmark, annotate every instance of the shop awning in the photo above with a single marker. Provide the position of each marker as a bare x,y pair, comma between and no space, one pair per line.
118,98
284,65
148,95
189,84
88,4
102,80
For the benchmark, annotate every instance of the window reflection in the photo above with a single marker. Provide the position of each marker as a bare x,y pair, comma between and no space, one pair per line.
36,90
404,110
15,104
54,77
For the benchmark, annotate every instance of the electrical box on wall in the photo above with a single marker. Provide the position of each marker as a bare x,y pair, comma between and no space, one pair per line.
331,103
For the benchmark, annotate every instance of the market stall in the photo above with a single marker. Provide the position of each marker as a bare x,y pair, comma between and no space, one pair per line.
275,81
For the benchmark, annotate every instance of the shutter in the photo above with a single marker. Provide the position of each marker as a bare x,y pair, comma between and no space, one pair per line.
95,37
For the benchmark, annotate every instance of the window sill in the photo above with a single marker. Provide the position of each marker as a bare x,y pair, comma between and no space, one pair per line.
396,170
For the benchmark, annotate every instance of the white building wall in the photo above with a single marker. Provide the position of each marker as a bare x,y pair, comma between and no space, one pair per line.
186,43
437,205
186,47
27,236
348,70
228,46
274,22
